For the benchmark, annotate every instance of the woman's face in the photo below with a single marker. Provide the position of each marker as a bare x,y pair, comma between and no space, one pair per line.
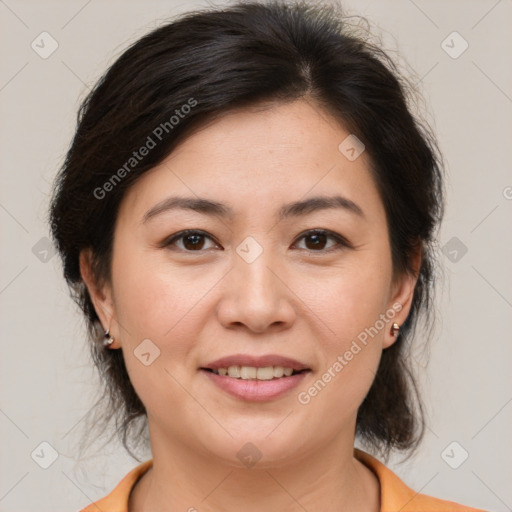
254,279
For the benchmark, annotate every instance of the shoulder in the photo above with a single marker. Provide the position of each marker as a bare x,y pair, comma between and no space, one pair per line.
117,500
397,496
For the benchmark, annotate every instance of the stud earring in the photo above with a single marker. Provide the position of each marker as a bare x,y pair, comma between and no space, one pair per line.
108,340
395,330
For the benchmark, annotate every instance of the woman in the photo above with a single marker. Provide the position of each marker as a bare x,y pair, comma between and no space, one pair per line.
246,217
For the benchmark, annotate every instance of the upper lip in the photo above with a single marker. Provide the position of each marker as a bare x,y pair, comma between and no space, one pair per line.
257,361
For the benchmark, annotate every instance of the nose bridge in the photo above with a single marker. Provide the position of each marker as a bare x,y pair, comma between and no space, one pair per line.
251,266
255,296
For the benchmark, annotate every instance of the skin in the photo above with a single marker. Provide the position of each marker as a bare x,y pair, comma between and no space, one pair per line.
296,299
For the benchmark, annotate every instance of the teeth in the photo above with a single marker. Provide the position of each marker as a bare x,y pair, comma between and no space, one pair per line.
248,372
266,373
234,371
251,372
278,371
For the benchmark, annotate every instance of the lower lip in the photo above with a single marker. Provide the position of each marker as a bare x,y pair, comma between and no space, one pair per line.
255,390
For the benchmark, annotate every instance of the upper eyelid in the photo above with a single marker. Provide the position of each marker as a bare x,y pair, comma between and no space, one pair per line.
170,240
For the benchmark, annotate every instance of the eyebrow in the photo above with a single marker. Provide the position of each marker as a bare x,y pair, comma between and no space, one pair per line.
214,208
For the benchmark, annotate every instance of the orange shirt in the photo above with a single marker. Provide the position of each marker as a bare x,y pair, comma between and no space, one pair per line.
395,496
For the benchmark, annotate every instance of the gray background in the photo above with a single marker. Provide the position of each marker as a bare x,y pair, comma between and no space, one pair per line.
47,381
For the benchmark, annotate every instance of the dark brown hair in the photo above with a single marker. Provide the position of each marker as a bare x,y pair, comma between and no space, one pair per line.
216,61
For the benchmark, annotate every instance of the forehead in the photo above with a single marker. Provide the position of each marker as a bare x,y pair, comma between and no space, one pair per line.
258,159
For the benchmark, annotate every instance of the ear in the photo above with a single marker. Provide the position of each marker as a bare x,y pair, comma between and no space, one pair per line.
101,297
402,295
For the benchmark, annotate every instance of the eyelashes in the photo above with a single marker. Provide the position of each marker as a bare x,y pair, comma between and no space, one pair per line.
193,241
318,235
191,234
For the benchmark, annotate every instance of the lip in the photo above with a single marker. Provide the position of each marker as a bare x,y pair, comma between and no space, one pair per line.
255,390
257,361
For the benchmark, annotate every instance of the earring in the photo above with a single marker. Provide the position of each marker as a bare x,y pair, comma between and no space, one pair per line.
395,330
108,340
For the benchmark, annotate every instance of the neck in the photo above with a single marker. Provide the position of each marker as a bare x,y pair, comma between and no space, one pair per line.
183,479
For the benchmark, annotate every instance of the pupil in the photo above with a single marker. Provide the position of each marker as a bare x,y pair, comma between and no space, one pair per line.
195,243
319,239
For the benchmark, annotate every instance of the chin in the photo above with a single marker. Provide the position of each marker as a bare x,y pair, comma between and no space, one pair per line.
255,447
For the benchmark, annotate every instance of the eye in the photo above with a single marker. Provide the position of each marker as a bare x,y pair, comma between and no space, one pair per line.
316,240
192,240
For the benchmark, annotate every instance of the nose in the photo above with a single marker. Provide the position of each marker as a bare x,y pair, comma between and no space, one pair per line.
256,295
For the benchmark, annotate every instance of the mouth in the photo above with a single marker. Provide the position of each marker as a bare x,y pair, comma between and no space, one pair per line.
255,379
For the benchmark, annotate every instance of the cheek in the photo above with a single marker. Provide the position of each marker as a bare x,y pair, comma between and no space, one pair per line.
350,349
152,299
350,304
165,304
351,299
155,304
